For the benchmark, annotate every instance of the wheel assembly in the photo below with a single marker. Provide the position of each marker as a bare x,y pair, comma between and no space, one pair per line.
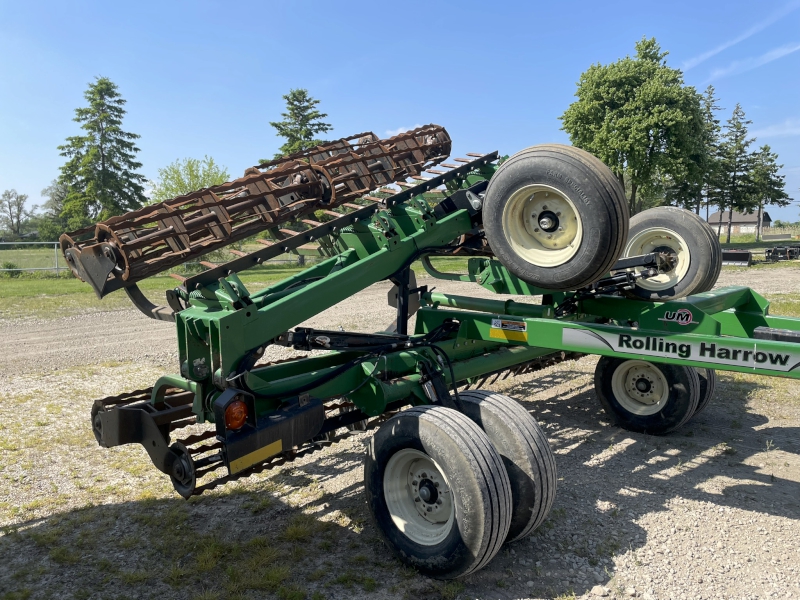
646,397
438,492
183,475
549,214
526,453
694,253
708,385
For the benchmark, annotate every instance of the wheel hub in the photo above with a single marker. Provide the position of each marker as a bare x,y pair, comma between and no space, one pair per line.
668,244
425,483
418,497
640,387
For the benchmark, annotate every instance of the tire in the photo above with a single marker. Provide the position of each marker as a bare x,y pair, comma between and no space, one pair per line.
708,385
669,399
526,454
717,253
683,234
438,448
582,204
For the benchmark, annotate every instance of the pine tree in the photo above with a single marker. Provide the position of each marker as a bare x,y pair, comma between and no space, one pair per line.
767,184
302,122
711,141
100,172
736,165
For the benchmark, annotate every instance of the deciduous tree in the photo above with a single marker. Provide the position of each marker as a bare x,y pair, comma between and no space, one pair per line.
51,223
100,172
187,175
639,118
12,211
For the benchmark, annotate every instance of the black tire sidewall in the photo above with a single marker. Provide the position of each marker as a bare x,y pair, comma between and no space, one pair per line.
512,430
681,402
702,262
592,200
455,555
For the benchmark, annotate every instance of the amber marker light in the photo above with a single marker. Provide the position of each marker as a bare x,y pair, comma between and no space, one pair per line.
235,415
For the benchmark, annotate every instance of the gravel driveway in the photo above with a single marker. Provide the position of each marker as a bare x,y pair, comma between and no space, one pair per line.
708,512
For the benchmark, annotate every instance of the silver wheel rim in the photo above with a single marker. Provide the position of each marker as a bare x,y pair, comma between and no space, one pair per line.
659,239
640,387
542,225
418,497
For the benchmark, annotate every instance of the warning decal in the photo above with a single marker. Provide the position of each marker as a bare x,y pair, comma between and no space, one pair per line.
509,330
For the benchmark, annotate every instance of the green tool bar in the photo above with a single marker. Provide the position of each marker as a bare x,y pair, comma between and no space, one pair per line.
497,307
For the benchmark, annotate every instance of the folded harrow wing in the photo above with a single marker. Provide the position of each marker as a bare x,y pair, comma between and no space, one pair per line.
550,222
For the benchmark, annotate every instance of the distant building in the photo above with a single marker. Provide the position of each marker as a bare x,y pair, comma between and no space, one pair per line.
742,223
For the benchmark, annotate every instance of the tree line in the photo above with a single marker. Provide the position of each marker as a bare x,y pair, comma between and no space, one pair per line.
100,177
664,142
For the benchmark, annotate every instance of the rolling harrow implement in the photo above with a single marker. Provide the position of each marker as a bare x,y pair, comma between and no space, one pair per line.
452,471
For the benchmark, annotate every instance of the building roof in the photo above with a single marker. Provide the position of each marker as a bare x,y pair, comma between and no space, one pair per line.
738,218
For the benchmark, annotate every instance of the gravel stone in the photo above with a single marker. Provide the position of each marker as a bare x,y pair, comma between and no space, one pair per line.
711,511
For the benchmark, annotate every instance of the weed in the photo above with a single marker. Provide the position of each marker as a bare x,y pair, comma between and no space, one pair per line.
735,424
134,577
727,449
317,596
451,590
369,584
259,505
299,529
23,594
292,592
64,556
316,575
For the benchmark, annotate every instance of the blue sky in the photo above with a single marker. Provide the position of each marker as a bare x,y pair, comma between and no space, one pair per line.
206,77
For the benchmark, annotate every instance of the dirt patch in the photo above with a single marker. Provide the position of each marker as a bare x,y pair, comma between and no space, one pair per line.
709,512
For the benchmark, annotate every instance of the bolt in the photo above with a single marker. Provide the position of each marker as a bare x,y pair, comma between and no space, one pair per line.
436,483
546,222
430,509
558,214
561,229
545,206
550,237
536,230
424,475
414,483
416,499
439,501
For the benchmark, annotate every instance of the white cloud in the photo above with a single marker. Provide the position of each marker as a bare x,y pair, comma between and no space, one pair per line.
760,26
399,130
789,127
748,64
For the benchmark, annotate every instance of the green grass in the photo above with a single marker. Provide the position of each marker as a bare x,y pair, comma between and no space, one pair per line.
33,295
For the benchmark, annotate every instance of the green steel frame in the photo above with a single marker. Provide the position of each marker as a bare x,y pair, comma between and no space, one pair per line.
223,323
